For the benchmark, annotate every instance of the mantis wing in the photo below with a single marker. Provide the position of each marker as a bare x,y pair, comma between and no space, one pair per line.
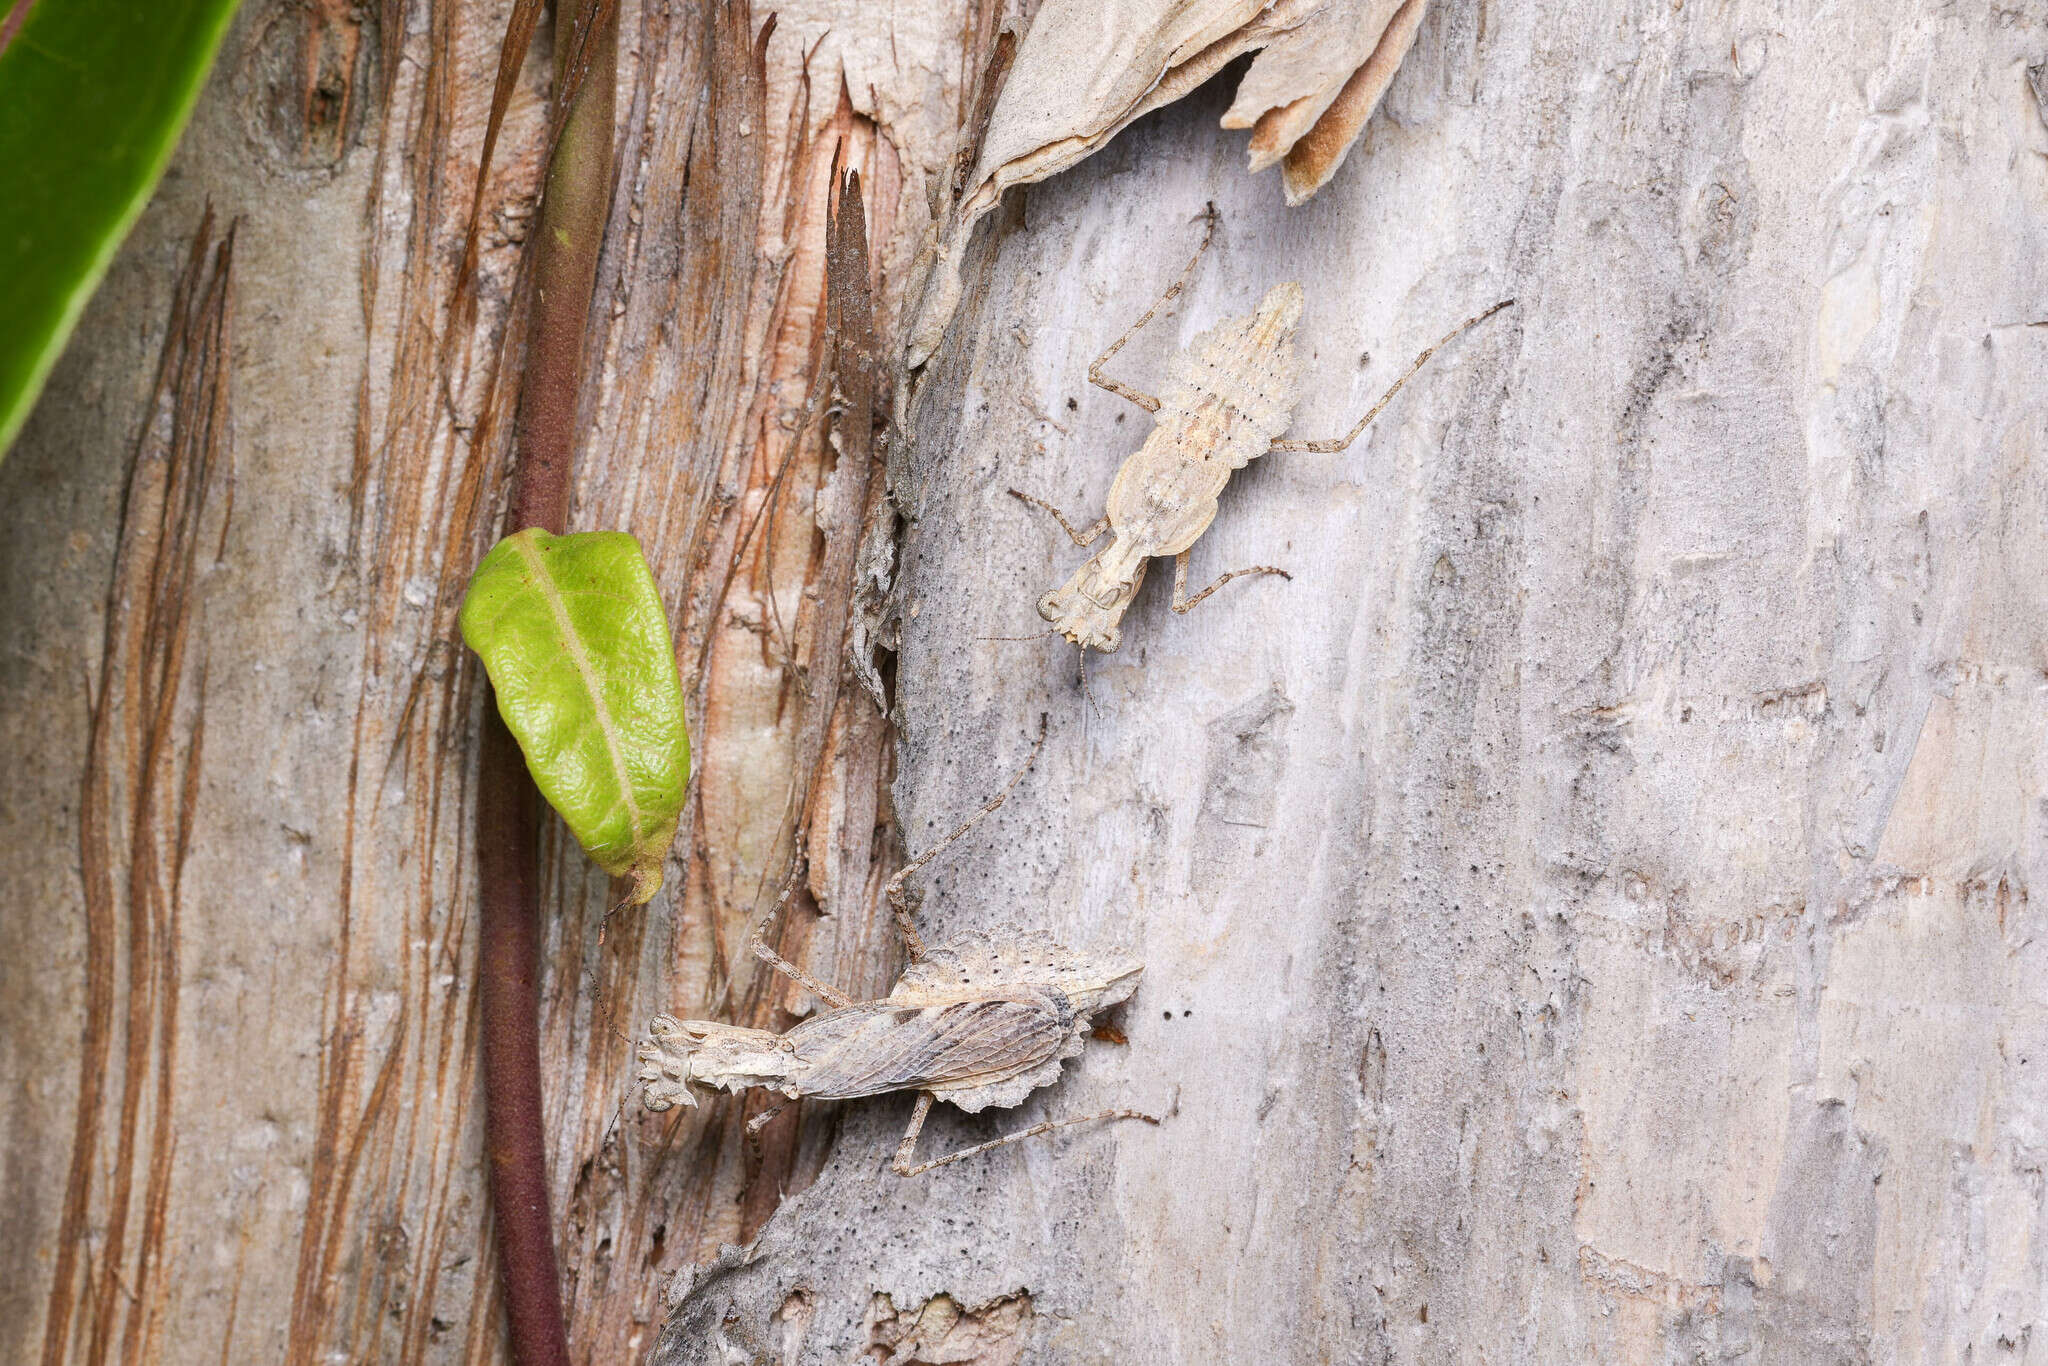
959,1045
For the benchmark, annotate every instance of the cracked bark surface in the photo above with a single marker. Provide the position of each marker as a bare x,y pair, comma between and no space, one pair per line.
1587,913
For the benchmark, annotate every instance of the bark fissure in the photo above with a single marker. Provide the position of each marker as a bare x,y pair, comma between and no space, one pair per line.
137,809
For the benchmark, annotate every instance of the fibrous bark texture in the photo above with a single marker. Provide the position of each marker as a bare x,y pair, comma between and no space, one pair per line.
240,1035
1587,913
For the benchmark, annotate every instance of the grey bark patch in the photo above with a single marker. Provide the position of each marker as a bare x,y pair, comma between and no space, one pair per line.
1247,751
1735,1330
1821,1241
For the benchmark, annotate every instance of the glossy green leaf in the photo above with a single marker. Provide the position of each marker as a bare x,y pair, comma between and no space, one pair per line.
572,633
93,95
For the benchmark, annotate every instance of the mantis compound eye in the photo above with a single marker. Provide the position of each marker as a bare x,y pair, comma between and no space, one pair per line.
1048,607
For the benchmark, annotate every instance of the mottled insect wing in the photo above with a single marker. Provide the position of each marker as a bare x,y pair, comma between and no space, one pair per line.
972,963
952,1049
971,967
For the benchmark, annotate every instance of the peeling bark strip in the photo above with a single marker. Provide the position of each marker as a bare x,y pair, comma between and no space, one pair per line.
1085,72
804,759
837,728
110,1287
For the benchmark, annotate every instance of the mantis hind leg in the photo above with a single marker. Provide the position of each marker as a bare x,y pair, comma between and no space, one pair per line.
830,995
905,1150
1185,604
1102,381
1334,444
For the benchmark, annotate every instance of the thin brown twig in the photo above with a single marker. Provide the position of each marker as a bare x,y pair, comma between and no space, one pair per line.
566,239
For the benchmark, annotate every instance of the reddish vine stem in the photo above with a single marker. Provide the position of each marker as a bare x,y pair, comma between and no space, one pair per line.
567,234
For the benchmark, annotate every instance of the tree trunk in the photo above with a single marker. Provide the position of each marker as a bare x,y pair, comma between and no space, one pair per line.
241,1041
1586,911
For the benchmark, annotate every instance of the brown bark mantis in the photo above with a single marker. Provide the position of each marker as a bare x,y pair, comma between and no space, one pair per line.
973,1022
1228,398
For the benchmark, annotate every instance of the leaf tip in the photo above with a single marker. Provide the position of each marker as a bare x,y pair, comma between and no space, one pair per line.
646,879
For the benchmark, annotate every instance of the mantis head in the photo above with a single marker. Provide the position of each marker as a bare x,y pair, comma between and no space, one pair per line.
1088,608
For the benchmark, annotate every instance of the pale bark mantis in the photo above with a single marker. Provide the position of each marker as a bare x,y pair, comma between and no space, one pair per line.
975,1022
1228,398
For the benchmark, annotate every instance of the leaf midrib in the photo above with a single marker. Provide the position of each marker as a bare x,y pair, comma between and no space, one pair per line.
544,584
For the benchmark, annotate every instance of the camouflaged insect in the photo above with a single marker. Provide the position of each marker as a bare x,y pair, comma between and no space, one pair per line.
1228,398
978,1023
974,1024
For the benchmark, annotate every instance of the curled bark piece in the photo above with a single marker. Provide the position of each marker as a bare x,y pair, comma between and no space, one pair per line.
1315,156
1085,71
1299,74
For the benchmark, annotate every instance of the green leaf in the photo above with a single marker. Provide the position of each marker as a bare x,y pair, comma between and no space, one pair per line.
572,633
93,95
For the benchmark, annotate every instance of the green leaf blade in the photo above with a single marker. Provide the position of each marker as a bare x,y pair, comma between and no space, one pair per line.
93,96
572,632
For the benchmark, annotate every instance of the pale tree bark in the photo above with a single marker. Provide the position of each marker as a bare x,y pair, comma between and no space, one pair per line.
1587,912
